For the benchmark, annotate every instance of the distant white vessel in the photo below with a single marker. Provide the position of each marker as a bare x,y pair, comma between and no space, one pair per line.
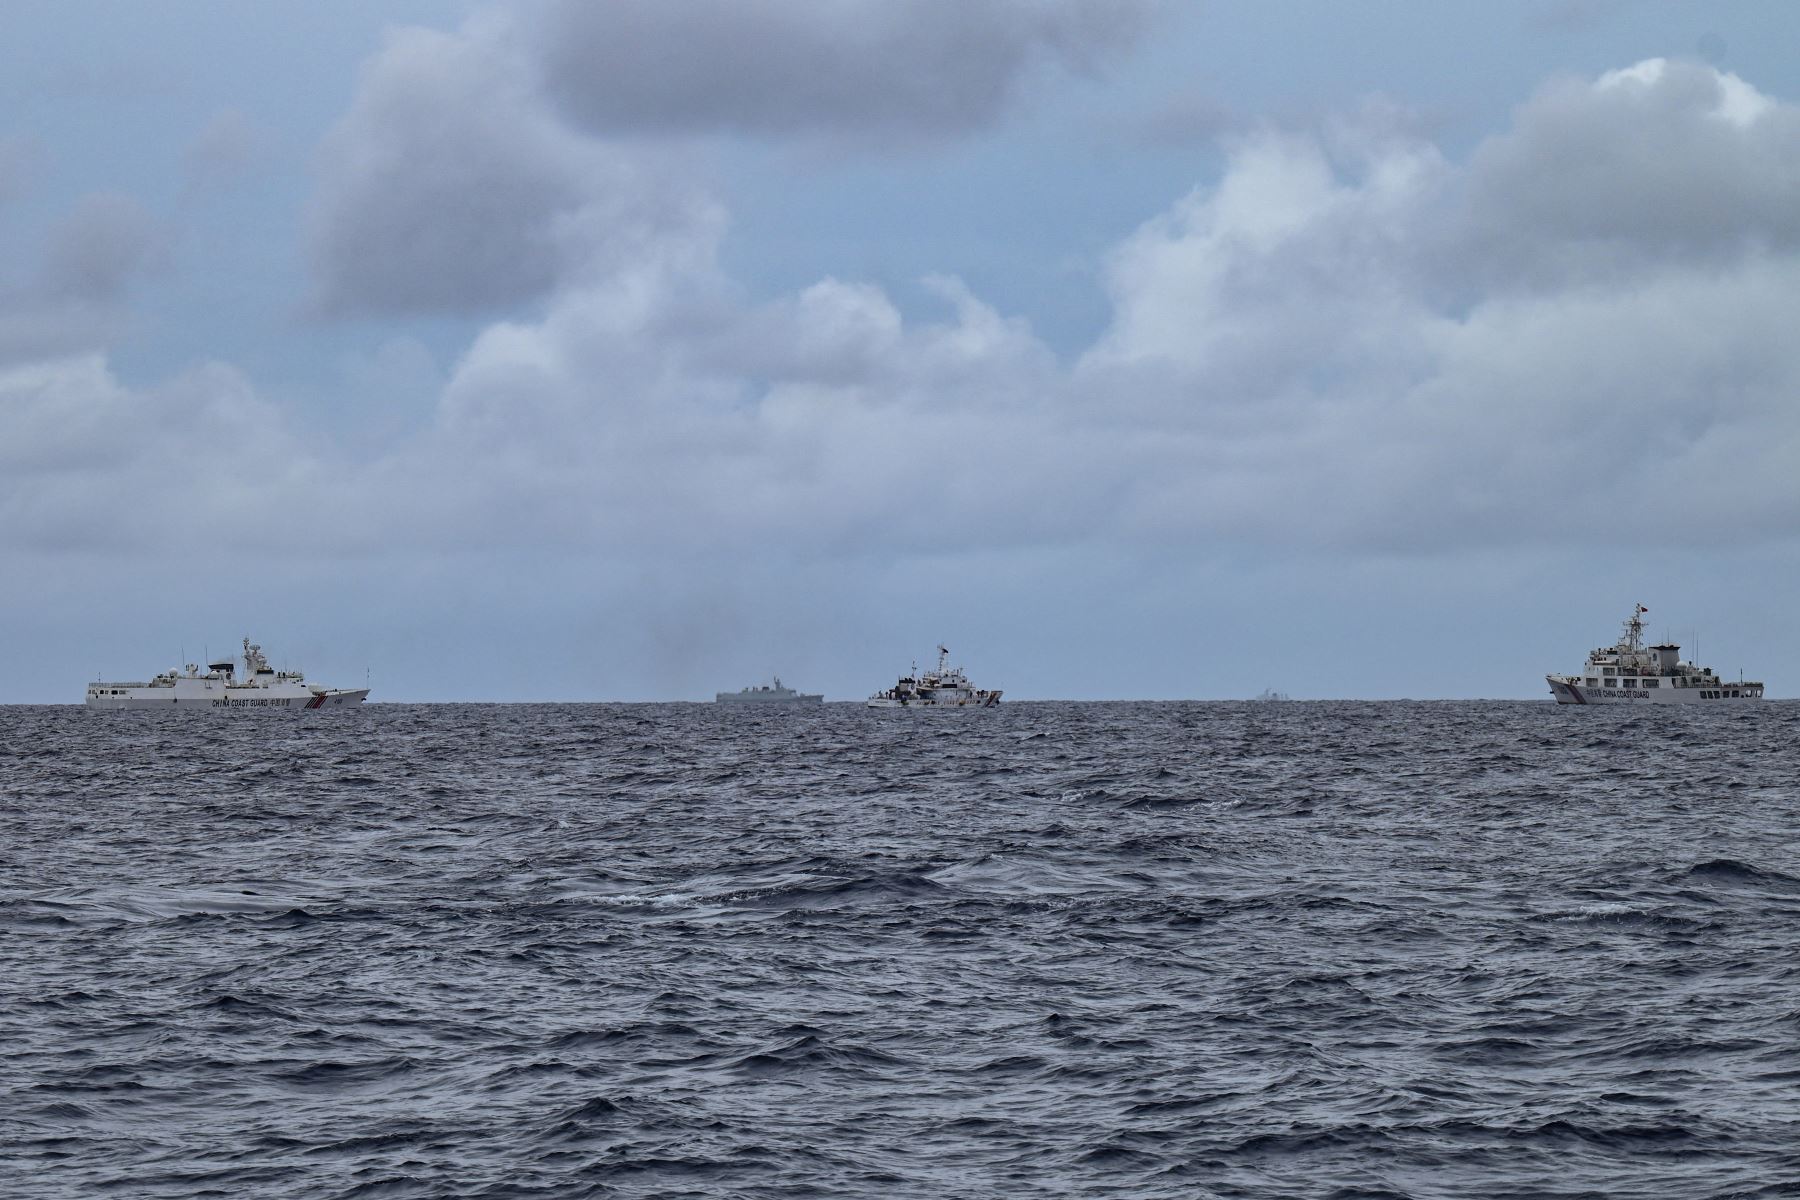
1629,672
768,694
946,687
1271,696
220,687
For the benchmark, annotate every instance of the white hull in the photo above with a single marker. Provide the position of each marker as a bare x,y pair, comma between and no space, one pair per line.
1569,690
946,687
978,700
221,687
232,699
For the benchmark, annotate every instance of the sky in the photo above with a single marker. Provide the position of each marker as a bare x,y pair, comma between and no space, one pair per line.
1135,349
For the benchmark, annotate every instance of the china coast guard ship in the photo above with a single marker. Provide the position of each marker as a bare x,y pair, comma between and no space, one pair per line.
946,687
1629,672
220,688
769,694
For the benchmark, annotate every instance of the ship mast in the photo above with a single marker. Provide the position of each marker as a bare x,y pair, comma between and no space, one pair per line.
1634,629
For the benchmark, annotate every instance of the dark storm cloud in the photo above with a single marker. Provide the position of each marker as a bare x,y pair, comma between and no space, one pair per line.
845,68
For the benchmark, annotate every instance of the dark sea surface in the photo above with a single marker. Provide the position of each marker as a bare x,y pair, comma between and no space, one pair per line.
1164,950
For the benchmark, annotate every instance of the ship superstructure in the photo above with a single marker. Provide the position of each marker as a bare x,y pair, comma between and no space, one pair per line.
946,687
1629,672
221,687
769,694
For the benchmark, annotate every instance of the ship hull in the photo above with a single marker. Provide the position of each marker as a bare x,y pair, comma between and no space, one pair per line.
227,699
1569,691
777,701
978,700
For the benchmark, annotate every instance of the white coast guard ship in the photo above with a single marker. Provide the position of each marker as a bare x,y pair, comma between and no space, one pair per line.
764,693
946,687
220,687
1629,672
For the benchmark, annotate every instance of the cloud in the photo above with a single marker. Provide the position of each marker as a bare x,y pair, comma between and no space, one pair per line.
19,167
95,251
87,464
1346,344
222,152
882,69
1356,343
449,188
1658,162
73,297
814,422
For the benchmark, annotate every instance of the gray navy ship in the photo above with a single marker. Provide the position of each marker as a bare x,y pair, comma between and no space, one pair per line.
767,693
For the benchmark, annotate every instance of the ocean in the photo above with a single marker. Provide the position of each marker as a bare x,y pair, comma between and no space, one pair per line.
1345,950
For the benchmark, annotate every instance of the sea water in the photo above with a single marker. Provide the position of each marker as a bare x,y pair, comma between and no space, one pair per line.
1108,949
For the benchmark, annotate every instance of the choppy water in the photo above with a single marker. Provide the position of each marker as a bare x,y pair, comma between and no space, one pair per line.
1300,950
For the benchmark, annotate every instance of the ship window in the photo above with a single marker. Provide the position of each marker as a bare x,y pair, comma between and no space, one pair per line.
1612,683
1592,682
1607,670
1631,683
1652,683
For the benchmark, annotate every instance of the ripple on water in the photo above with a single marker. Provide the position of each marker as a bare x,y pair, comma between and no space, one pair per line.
1161,950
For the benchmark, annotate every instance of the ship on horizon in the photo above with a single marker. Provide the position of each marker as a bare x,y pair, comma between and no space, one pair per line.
946,687
220,687
1629,672
765,693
